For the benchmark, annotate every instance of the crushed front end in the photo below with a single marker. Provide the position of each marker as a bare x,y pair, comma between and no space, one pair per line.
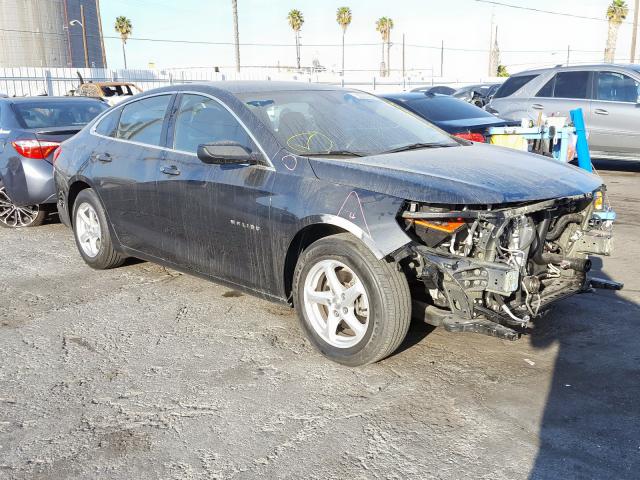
492,269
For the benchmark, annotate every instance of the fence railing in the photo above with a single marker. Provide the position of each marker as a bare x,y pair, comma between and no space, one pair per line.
28,81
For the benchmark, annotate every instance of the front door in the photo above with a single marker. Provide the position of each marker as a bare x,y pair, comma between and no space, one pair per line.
614,119
217,214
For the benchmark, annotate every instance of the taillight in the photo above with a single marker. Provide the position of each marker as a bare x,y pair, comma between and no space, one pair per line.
36,149
57,153
474,137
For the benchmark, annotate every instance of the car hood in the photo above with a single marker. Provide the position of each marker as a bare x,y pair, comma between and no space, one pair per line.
475,174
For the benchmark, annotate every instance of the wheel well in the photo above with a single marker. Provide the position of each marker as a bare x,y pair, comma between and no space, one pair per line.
300,242
74,190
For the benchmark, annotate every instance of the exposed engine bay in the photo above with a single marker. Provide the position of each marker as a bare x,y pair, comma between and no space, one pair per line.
492,269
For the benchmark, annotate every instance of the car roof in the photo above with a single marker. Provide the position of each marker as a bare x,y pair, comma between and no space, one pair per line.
411,95
110,84
47,98
257,86
559,68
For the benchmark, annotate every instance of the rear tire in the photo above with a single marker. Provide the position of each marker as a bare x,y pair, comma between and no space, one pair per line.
337,282
92,234
12,216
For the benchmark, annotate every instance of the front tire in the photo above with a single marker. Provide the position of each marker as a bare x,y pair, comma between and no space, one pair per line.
354,308
12,216
92,234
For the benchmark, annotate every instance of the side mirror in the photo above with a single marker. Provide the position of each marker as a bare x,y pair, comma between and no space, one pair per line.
226,153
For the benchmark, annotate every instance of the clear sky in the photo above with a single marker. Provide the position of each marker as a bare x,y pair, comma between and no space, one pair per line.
526,39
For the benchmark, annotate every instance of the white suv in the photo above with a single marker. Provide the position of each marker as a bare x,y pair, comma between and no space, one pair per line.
608,94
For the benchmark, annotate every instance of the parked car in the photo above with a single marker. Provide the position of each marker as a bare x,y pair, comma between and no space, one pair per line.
439,89
111,92
31,129
608,95
478,95
454,116
334,201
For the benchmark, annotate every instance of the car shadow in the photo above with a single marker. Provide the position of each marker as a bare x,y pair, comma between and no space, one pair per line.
632,166
591,419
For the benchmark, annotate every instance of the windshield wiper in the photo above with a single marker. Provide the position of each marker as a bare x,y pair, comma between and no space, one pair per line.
337,153
418,146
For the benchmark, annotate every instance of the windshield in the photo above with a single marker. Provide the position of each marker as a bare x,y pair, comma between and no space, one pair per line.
342,122
58,113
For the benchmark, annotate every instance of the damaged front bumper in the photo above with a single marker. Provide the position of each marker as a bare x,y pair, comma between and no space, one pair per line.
484,282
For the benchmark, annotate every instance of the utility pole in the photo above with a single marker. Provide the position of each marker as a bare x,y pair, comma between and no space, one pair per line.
442,59
568,54
403,75
491,72
236,35
84,37
634,35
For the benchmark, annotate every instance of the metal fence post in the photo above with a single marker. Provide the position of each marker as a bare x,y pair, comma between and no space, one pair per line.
48,83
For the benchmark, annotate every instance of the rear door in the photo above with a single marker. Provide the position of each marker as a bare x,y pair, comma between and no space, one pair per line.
614,118
125,166
565,91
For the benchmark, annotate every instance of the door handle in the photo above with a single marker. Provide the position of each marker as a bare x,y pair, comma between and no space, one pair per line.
601,111
102,157
170,170
537,106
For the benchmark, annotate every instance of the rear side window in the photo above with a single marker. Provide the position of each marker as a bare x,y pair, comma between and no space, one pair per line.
108,126
512,85
616,87
445,109
58,113
547,90
571,85
142,121
203,120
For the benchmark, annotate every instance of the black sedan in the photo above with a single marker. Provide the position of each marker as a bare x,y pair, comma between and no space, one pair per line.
454,116
439,89
31,129
334,201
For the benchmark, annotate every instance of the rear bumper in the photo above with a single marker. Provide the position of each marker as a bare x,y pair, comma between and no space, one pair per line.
28,181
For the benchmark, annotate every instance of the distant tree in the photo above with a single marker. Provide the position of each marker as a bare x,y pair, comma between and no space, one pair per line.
343,17
124,28
616,14
384,26
296,20
502,71
236,34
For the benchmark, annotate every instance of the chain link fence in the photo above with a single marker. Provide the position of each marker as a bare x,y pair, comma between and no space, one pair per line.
29,81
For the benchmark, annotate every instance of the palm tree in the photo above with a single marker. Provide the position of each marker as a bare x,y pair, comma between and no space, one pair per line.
343,17
236,35
384,26
616,14
124,28
296,20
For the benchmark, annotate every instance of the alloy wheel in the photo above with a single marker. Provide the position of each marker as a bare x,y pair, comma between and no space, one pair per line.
336,303
13,216
88,230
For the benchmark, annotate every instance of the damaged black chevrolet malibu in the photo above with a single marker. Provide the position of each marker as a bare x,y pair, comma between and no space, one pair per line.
335,201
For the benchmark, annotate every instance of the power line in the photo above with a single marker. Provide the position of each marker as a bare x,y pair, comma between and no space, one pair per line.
539,10
205,42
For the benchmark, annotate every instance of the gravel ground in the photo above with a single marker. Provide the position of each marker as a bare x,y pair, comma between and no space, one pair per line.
144,373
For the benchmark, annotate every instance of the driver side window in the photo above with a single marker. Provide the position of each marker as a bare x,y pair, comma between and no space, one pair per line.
202,120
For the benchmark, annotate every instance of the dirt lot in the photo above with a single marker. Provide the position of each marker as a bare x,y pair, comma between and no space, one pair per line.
143,373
